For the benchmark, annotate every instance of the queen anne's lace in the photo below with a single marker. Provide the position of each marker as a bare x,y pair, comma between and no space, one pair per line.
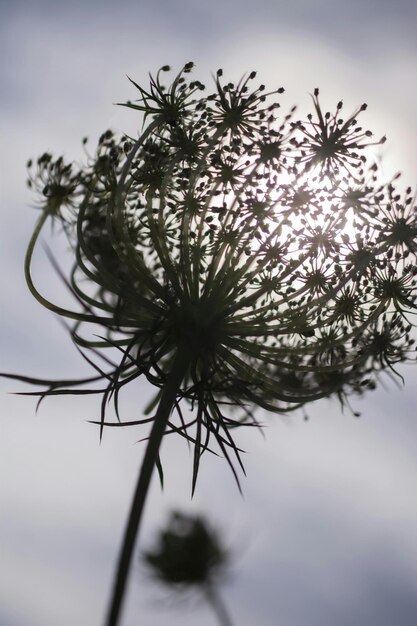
225,228
235,258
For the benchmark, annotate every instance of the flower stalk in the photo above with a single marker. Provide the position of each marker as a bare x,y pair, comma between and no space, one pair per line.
219,608
151,458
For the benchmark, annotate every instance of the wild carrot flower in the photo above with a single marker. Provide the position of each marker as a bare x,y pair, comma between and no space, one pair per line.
233,257
189,556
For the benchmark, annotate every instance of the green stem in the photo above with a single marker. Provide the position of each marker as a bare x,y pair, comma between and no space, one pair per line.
166,404
217,605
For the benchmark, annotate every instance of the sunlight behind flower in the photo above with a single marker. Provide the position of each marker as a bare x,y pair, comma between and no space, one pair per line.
215,254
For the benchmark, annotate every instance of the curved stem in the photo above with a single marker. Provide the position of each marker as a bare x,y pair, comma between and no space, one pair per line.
166,404
217,605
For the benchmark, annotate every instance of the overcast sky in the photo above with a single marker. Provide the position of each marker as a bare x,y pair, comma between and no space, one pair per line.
325,533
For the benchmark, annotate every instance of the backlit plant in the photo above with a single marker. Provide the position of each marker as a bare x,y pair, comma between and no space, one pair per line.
232,256
189,556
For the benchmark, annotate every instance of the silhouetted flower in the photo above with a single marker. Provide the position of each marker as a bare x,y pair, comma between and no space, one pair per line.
330,142
234,258
188,552
189,556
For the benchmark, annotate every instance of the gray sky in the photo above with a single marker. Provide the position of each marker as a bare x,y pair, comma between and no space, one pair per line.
326,530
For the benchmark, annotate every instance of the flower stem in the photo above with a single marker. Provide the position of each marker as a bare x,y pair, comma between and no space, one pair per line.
217,605
166,404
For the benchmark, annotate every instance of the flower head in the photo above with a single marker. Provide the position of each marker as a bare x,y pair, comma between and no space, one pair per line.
332,143
188,553
221,233
189,556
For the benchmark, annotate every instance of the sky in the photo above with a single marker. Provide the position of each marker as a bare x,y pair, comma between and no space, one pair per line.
325,532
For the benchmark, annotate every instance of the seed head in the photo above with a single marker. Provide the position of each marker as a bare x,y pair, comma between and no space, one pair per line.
268,249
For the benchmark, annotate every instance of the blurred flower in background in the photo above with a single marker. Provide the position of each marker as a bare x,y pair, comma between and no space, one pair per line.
188,555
